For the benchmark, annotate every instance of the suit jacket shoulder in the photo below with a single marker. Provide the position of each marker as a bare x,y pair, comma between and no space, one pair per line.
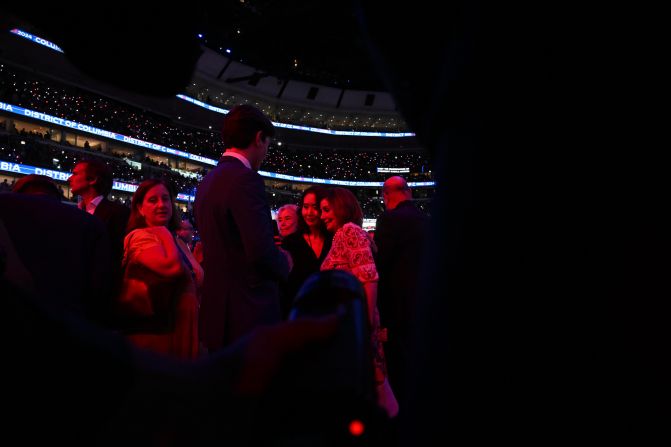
221,181
57,241
107,210
398,229
405,213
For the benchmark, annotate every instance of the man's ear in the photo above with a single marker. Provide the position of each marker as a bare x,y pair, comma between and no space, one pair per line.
260,137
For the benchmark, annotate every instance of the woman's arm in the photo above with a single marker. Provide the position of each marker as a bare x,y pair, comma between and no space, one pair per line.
362,265
371,300
161,258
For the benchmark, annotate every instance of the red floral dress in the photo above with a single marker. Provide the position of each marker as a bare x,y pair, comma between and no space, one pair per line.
351,251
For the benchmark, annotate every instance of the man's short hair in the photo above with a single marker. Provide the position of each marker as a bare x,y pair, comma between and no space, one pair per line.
241,125
96,169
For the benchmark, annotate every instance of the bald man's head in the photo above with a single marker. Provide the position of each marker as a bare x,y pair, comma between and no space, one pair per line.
395,191
395,183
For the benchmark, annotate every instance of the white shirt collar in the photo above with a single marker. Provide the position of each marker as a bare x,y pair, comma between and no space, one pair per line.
93,204
240,157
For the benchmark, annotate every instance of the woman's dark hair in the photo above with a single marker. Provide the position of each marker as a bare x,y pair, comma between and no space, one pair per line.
136,220
345,206
319,193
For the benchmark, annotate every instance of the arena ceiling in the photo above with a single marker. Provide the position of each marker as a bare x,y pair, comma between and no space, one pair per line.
290,39
293,39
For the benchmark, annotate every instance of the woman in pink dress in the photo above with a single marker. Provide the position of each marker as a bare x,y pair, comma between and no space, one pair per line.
351,251
155,267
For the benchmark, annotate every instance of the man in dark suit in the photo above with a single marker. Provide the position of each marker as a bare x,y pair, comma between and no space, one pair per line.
92,181
399,237
243,267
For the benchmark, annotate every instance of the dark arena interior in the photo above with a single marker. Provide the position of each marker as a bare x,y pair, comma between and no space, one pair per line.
539,289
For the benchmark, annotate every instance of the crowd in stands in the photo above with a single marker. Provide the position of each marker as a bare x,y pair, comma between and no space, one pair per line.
32,148
346,165
69,102
48,150
75,104
370,122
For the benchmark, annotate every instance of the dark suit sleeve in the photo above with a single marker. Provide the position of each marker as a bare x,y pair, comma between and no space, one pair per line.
385,240
252,216
99,292
117,228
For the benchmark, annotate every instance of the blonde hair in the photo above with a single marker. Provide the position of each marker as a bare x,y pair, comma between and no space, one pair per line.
288,206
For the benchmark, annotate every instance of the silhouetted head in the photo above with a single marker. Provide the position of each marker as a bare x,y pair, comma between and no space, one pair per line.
37,185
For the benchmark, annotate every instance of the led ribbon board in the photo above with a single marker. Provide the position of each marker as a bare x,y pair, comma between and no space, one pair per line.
61,176
17,110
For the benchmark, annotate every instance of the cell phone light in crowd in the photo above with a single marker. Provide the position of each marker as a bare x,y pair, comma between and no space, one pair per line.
228,50
356,428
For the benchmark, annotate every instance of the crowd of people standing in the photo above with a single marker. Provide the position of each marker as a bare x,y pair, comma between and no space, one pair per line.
188,300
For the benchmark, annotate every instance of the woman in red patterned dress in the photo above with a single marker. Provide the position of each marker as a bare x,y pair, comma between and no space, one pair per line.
351,251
